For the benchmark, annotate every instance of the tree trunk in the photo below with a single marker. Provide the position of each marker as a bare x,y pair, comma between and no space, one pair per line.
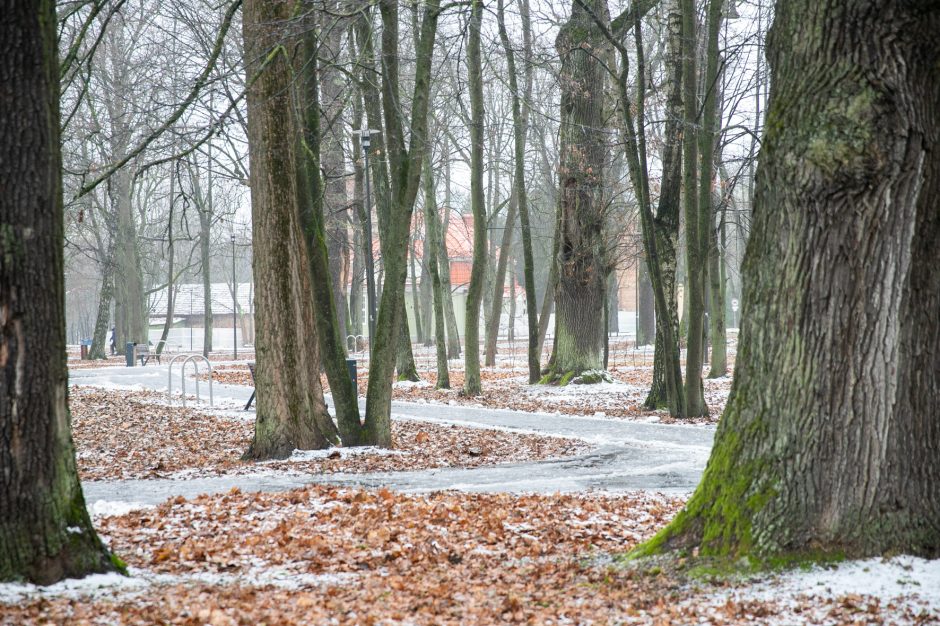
499,284
99,340
453,335
581,290
828,445
205,233
696,229
433,235
646,317
170,290
291,412
312,218
405,165
45,531
520,117
415,299
665,226
335,206
471,333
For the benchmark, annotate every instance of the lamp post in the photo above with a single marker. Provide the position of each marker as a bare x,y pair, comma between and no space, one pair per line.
234,302
366,136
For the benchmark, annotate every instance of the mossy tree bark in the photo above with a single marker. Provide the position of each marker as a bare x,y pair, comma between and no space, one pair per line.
312,196
453,333
45,531
471,331
828,443
583,263
291,412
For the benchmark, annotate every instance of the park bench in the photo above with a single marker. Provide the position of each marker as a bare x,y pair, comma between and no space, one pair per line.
251,368
142,353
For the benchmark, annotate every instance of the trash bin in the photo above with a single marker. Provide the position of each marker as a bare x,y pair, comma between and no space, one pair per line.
85,348
130,353
351,366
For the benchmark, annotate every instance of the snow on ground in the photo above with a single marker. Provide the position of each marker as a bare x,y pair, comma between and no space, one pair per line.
877,590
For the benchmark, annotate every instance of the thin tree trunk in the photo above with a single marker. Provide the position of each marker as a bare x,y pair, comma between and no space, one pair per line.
453,335
646,320
205,217
520,117
170,291
311,196
433,235
45,531
105,296
405,165
499,284
472,386
696,229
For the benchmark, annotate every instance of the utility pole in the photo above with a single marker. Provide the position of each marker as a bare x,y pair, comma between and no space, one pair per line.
366,134
234,302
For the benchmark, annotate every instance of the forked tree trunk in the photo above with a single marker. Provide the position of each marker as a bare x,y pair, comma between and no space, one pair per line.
433,235
45,532
581,290
291,412
828,445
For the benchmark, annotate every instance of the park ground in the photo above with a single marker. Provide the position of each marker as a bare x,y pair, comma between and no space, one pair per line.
513,507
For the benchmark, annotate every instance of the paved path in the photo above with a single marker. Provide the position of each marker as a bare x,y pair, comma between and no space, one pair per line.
629,455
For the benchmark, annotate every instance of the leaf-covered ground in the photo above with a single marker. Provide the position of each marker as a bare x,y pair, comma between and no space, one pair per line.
509,389
321,555
125,434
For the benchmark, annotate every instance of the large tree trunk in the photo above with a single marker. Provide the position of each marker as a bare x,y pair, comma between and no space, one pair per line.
829,442
45,531
581,290
471,333
663,391
291,413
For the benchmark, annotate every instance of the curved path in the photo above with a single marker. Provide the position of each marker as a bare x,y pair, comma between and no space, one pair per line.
629,456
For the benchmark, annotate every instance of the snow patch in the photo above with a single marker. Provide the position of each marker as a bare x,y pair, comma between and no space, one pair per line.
108,508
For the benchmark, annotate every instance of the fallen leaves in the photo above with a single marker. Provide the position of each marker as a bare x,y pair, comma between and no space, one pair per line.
123,435
323,555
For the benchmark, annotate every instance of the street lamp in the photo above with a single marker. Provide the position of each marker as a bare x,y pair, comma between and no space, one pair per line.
366,217
234,302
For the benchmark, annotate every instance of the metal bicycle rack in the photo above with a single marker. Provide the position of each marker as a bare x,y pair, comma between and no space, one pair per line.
194,358
357,341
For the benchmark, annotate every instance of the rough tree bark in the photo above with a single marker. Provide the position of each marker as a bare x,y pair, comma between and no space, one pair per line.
291,412
828,444
583,263
45,531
